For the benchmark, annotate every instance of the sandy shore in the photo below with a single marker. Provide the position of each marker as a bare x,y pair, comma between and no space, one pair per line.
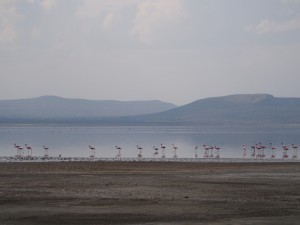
149,193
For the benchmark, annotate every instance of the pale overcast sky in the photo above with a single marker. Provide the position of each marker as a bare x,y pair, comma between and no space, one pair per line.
172,50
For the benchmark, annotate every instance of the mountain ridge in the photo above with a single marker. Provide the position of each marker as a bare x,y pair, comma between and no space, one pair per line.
243,109
48,107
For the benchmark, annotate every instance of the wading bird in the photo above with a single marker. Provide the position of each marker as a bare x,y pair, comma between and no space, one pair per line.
174,151
46,151
93,151
29,149
295,154
118,155
140,151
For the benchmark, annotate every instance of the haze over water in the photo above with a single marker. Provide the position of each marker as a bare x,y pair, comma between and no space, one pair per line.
74,140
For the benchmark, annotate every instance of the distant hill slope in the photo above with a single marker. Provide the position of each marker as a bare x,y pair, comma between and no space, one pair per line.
233,109
52,107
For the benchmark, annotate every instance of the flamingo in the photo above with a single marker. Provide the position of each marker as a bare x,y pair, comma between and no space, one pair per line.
211,151
140,153
196,151
262,150
284,151
252,150
93,151
46,150
295,155
175,150
163,147
218,152
259,153
273,151
18,150
29,149
155,151
119,151
206,148
244,151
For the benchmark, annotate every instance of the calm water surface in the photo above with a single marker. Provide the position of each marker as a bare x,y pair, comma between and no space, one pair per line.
74,140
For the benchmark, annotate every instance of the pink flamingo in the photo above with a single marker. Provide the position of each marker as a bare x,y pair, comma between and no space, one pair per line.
295,155
119,151
259,153
175,151
252,150
273,155
18,150
206,148
21,151
218,152
262,150
155,151
46,151
211,151
140,151
284,151
196,151
29,149
163,147
93,151
244,151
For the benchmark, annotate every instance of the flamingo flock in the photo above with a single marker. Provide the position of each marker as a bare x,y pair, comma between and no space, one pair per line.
258,151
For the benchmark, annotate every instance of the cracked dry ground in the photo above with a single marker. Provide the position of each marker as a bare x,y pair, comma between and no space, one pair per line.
149,193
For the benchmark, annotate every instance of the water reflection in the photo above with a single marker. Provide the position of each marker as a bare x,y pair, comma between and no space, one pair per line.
75,140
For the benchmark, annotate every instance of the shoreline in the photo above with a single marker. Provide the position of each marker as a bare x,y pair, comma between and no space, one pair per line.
192,160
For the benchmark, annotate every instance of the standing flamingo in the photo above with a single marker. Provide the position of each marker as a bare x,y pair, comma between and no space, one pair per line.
21,151
206,154
163,147
284,151
46,151
119,151
155,151
218,152
29,149
211,151
18,150
244,151
273,155
259,152
196,151
262,150
140,151
93,151
252,150
295,154
175,151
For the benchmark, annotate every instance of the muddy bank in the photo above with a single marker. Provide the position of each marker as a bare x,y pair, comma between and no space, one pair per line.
149,193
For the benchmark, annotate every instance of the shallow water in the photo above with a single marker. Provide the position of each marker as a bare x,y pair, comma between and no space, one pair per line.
74,140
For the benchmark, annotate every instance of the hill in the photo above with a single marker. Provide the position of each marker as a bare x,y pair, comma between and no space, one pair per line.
233,109
57,109
249,109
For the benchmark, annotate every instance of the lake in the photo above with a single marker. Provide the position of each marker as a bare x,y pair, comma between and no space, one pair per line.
74,140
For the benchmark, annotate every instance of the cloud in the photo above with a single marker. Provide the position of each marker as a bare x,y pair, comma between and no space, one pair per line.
290,1
8,20
94,8
108,19
153,15
268,26
149,15
45,4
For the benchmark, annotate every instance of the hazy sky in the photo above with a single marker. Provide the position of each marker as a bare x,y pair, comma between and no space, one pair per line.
172,50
